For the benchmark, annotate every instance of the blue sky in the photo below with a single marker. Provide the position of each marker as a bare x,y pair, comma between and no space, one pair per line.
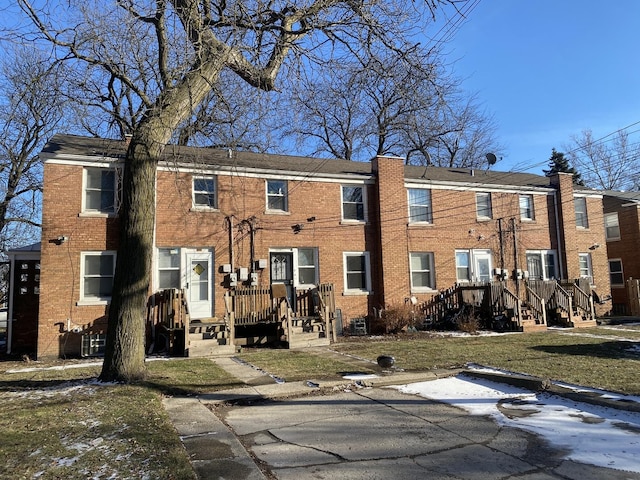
548,69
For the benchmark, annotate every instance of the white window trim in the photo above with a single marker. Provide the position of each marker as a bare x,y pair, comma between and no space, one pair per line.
157,264
543,253
473,254
582,201
296,263
364,204
488,196
84,212
617,224
532,207
432,276
589,266
94,300
621,272
367,266
429,207
205,208
285,195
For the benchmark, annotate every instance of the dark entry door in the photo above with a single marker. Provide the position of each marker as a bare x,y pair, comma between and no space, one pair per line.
282,272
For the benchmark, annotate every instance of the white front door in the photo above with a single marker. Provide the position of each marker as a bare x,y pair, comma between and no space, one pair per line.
199,266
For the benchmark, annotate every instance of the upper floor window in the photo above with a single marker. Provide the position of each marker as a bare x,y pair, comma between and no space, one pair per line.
205,192
419,205
611,226
96,273
526,207
353,203
586,269
422,274
541,264
100,190
357,277
483,205
277,199
616,276
168,268
580,204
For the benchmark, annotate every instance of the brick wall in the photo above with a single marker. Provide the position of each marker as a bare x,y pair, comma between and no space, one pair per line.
626,248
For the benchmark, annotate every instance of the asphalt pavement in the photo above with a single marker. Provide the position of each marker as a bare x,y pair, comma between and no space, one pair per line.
347,429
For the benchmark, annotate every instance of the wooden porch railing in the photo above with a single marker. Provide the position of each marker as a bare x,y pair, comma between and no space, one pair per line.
583,303
537,305
561,301
251,305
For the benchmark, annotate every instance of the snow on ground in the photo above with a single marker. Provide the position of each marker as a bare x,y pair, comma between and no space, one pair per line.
592,434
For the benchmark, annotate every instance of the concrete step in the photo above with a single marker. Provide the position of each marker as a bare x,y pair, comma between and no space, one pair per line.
303,340
209,348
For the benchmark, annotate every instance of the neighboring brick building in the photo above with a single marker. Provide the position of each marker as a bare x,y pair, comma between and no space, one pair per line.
622,230
380,232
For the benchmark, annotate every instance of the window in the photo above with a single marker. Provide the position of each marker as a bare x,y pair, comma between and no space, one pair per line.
584,261
541,264
307,266
616,276
526,207
483,205
100,190
473,265
421,266
580,204
277,199
204,192
356,272
353,203
168,268
96,271
419,205
611,226
463,268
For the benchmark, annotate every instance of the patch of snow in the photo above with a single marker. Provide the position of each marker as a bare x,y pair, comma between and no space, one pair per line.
591,434
360,376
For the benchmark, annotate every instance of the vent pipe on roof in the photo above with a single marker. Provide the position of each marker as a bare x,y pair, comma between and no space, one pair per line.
472,173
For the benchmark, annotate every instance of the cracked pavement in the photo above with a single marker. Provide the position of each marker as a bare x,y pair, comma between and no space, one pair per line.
380,433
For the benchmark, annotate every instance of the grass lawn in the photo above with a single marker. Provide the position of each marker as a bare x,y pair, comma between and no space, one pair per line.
58,422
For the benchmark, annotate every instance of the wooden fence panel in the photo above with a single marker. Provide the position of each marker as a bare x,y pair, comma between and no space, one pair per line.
633,292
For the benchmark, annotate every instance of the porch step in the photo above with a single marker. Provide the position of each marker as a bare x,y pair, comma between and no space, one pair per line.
209,348
532,326
311,339
578,322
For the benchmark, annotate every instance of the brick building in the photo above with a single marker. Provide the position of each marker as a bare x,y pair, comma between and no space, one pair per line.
380,232
622,231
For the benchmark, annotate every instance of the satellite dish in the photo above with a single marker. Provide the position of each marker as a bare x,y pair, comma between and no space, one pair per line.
491,158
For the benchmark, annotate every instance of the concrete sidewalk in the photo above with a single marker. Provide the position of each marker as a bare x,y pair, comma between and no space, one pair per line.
355,430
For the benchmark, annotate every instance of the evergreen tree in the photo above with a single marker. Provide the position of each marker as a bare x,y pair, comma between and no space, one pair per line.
559,163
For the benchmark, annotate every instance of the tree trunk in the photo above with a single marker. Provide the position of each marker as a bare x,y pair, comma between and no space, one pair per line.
125,346
124,355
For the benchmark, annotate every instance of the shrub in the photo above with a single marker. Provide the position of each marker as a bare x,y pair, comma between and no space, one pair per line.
398,317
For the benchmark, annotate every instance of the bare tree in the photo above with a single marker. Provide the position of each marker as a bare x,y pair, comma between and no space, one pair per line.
609,164
181,49
383,104
30,112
